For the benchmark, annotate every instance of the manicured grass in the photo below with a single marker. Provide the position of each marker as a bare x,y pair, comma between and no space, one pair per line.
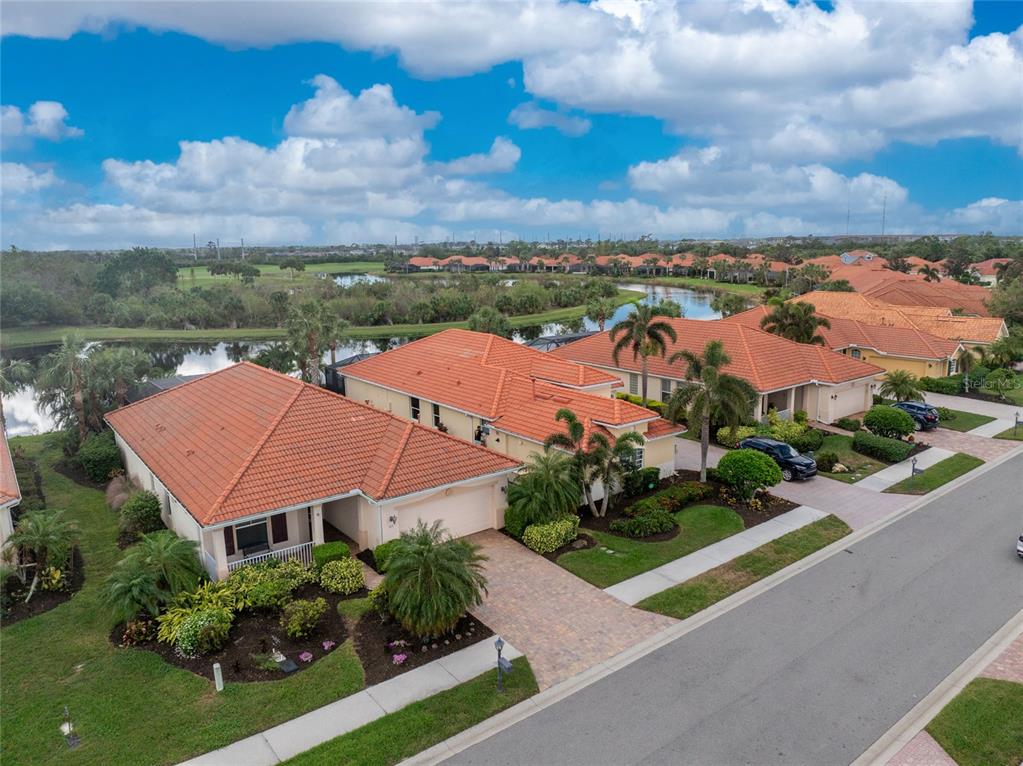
1012,396
129,706
965,421
700,525
198,276
1008,434
36,336
983,724
704,590
704,285
860,466
423,724
938,474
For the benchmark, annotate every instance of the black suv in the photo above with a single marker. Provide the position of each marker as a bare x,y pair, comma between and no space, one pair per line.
925,417
792,464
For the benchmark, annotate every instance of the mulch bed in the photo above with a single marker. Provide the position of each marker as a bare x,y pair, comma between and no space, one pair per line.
374,638
254,633
42,600
581,543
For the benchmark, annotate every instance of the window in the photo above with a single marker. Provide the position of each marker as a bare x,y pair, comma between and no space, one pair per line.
633,383
436,415
953,366
855,353
252,538
665,389
635,461
414,404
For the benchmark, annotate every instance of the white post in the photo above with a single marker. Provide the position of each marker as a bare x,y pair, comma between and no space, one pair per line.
219,553
218,677
318,524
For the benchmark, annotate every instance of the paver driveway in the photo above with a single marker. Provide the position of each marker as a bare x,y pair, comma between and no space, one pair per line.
562,624
972,444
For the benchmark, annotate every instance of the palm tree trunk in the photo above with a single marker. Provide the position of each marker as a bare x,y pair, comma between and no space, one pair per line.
333,353
588,494
704,447
644,378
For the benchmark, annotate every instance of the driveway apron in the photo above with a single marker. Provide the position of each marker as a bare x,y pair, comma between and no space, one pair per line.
972,444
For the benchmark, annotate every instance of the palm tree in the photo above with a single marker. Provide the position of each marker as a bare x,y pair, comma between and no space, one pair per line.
901,385
709,394
433,579
132,589
815,274
307,326
15,374
600,310
173,560
337,333
610,463
644,333
48,537
795,321
548,488
582,446
62,378
728,304
929,273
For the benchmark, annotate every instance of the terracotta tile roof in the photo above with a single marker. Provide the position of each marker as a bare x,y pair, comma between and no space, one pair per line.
662,427
766,361
948,293
246,440
988,268
10,492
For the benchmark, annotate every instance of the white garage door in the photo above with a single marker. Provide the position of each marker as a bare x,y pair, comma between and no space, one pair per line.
461,512
849,402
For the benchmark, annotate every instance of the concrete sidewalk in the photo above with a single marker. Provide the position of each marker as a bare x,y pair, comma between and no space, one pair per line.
290,738
995,427
893,474
979,406
637,588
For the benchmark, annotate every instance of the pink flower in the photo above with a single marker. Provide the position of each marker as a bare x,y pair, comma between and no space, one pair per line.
306,656
399,659
328,645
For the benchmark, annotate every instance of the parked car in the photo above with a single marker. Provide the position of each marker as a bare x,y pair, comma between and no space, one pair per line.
1019,547
793,465
925,417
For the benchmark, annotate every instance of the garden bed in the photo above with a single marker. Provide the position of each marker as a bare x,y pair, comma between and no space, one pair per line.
42,600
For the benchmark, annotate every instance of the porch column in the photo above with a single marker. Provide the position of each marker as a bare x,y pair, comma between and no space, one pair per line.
317,524
219,553
792,403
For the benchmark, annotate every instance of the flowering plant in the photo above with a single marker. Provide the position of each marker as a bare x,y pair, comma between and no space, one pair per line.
306,656
399,659
328,645
397,644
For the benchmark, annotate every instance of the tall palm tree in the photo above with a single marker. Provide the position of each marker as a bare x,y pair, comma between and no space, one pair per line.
15,374
48,536
610,463
582,446
815,274
644,333
62,381
600,310
709,394
337,333
308,333
900,385
795,321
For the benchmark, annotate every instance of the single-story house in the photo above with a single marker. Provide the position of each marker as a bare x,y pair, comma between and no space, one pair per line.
503,395
252,464
787,376
10,492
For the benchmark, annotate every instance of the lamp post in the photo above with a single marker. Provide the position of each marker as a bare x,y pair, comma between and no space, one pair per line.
1015,424
503,666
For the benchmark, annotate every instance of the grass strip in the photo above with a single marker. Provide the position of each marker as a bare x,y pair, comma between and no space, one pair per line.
697,594
1012,434
423,724
860,466
983,724
965,421
938,474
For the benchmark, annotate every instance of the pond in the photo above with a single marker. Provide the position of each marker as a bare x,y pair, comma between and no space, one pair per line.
25,417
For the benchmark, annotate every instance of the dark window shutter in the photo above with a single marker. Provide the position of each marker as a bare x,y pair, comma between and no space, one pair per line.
229,540
279,527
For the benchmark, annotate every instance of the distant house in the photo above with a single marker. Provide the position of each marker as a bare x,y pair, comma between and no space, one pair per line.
252,464
987,271
10,492
787,376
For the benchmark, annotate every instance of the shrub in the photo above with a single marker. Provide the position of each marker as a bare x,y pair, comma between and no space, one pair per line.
891,422
141,513
748,471
204,631
880,447
656,406
383,552
672,499
826,461
784,430
810,440
849,424
342,576
118,491
726,438
301,617
945,414
99,456
654,521
800,417
378,601
329,552
951,385
637,482
268,585
546,538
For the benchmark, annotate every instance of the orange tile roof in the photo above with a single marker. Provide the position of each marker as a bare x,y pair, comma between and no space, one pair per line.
766,361
10,492
948,293
246,440
989,268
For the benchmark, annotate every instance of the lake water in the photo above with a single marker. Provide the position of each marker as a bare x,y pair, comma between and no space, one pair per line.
24,416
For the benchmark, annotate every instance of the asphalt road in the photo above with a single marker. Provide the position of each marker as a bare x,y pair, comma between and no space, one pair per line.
814,670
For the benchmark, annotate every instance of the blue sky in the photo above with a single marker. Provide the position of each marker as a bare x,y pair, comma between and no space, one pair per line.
527,120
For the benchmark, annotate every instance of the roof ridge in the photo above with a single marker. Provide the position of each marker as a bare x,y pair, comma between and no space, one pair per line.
393,465
499,392
749,354
486,350
255,450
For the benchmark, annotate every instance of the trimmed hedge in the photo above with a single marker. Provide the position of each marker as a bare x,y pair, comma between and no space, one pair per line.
849,424
342,576
548,537
747,471
638,482
726,438
951,385
810,441
892,422
301,617
651,404
672,499
880,447
328,552
383,552
99,457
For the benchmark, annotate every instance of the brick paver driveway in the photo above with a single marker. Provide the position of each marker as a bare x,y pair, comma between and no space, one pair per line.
562,624
978,446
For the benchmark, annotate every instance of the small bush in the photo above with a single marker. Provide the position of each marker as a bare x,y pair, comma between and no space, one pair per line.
379,602
951,385
849,424
826,461
808,441
800,417
672,499
546,538
880,447
638,482
204,631
654,521
726,438
268,585
301,617
748,471
99,456
118,491
329,552
342,576
945,414
141,513
383,552
651,404
888,421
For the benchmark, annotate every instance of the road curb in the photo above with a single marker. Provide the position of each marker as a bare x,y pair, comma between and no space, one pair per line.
897,737
559,691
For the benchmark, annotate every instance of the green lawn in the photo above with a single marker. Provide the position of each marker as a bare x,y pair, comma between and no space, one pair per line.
704,285
860,466
938,474
198,276
423,724
1008,434
983,724
36,336
618,558
965,421
704,590
1012,396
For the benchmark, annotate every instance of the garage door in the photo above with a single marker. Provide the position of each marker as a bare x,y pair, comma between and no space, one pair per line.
461,511
849,402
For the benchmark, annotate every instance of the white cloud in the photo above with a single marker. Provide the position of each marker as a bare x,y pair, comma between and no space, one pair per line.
18,179
43,119
990,214
501,158
530,115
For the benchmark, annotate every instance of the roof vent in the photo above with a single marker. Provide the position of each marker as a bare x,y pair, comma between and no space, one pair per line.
160,427
189,452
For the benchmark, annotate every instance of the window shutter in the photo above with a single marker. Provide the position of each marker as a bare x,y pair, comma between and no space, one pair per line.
229,540
279,527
